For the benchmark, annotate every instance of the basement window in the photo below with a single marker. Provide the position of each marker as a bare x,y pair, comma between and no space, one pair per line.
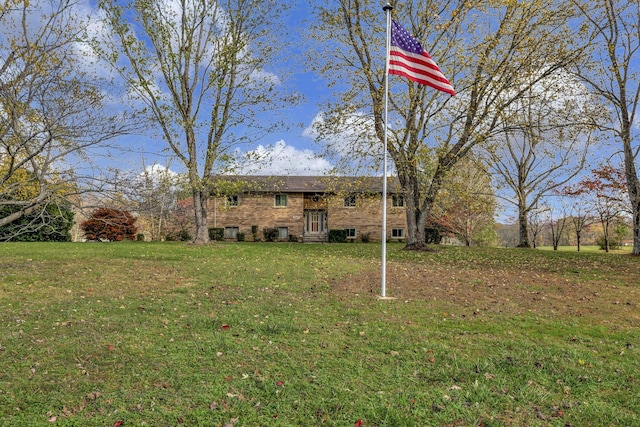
397,233
283,232
231,232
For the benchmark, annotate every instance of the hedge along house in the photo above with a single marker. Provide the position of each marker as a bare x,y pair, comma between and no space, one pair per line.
307,208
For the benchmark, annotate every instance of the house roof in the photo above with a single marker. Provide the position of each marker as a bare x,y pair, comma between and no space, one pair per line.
312,184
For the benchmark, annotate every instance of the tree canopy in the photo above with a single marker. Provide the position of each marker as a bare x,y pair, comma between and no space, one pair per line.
200,68
492,52
51,106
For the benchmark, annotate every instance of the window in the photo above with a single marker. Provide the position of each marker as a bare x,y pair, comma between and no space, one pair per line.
231,232
232,200
350,201
397,200
351,233
397,233
281,200
283,232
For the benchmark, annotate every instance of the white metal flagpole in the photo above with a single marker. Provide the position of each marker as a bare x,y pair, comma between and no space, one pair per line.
387,9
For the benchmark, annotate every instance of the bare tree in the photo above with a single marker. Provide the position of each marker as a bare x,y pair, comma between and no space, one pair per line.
543,144
154,194
556,227
581,219
484,48
582,209
51,105
606,191
199,68
537,221
613,75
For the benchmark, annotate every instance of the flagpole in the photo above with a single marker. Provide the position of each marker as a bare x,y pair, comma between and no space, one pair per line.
387,9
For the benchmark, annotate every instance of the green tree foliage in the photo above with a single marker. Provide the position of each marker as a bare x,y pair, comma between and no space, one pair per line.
49,220
51,224
110,224
467,204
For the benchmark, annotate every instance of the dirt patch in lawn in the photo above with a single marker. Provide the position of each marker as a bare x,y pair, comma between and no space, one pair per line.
482,290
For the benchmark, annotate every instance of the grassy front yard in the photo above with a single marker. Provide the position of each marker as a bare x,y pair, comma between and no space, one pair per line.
257,334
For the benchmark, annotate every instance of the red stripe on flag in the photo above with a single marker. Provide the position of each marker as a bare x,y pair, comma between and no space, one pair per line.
419,69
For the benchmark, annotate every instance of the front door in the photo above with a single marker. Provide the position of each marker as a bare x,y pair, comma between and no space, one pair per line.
314,222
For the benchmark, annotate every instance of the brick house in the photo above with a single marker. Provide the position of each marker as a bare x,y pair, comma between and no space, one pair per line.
306,208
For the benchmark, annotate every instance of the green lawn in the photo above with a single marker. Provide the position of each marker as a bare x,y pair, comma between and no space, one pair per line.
250,334
620,250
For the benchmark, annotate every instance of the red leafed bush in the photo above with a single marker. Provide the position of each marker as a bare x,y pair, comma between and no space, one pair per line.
110,224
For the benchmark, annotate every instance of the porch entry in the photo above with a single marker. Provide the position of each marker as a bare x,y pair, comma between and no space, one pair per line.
315,222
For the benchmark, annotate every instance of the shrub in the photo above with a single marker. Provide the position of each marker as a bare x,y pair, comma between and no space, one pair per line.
365,238
110,224
254,233
270,234
432,235
216,233
179,236
337,236
140,237
240,237
613,243
293,238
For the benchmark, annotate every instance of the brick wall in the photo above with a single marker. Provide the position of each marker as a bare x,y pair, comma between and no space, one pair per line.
259,209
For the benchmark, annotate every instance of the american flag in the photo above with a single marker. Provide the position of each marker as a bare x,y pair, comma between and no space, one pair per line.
407,58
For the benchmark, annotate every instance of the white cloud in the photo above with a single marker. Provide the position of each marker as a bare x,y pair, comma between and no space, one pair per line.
347,134
283,159
159,170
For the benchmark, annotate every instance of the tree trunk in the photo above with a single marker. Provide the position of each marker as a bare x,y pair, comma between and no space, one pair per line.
578,235
523,222
413,234
633,188
636,227
605,227
416,218
200,200
421,213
